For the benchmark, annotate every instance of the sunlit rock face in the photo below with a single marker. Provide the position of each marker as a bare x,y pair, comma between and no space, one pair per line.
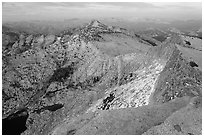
133,94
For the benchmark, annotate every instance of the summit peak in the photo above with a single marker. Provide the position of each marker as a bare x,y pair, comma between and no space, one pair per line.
96,23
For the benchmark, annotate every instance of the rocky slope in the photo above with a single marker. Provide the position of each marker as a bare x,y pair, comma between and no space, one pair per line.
94,72
121,121
186,121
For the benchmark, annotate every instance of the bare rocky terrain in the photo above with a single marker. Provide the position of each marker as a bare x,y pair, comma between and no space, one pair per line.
101,79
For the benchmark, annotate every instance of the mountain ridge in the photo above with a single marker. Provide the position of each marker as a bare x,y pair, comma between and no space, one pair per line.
77,74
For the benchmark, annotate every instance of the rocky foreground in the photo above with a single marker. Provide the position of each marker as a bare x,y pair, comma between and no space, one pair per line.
98,79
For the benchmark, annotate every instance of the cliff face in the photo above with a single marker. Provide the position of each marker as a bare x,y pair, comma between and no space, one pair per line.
178,79
96,68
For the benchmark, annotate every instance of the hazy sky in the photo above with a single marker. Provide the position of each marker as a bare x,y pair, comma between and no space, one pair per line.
16,11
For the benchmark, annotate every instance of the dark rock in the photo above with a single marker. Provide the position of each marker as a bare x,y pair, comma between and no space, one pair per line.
187,42
15,124
106,101
177,127
193,64
50,108
71,132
